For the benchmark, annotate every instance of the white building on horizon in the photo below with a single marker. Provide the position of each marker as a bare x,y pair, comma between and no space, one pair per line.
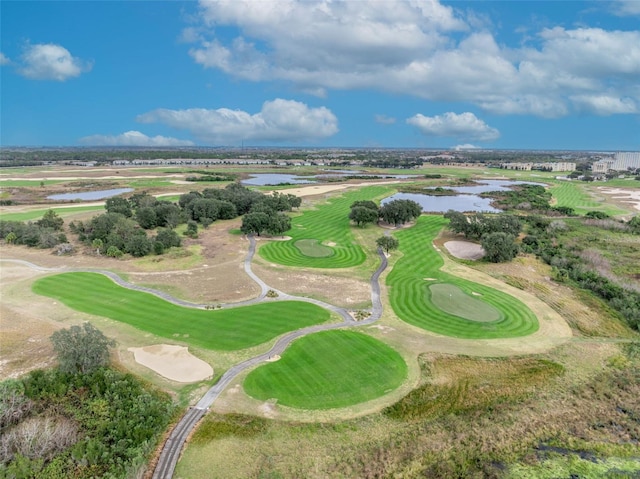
621,161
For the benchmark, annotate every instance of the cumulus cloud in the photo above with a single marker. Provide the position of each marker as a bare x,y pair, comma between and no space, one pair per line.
278,121
420,48
47,61
133,138
465,126
466,146
4,60
384,119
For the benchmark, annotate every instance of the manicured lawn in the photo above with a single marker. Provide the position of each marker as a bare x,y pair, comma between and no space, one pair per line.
453,300
313,249
37,214
574,195
327,370
410,296
27,183
225,329
328,224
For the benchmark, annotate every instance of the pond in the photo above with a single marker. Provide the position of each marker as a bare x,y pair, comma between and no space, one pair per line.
90,195
466,200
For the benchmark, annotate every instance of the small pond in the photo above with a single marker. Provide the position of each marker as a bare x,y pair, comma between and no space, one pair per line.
90,195
466,200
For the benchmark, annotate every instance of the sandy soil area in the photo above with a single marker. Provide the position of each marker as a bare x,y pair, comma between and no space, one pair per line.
623,195
464,249
173,362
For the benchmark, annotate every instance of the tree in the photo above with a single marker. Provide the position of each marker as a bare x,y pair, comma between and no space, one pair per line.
362,215
97,244
51,220
278,224
255,223
81,349
387,243
118,205
139,245
499,247
398,212
168,238
146,217
634,224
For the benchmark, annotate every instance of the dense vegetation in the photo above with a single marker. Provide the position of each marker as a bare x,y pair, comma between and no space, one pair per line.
573,261
44,233
57,425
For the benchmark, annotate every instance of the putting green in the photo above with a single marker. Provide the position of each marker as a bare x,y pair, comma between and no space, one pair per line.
329,369
409,293
223,329
451,299
313,248
327,224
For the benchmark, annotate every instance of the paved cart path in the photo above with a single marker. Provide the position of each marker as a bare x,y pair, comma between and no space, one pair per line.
173,446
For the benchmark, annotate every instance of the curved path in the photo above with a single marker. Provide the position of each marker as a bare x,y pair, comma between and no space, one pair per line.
173,446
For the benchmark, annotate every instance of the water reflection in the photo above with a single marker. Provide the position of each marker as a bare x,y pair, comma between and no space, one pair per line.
90,195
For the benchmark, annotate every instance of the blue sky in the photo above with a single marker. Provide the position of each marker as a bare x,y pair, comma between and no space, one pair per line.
321,73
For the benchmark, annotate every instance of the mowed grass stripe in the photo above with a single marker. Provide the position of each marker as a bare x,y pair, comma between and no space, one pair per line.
419,268
328,224
573,195
226,329
329,369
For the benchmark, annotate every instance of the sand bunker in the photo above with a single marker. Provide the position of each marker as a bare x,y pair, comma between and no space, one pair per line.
464,249
625,196
173,362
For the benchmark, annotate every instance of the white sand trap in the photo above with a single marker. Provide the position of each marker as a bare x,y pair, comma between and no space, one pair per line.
464,249
627,196
173,362
430,279
272,359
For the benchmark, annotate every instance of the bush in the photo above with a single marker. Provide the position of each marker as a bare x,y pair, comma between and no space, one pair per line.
499,247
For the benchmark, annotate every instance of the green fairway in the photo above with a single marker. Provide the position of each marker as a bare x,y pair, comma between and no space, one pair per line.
409,292
328,224
226,329
37,214
451,299
28,183
574,195
327,370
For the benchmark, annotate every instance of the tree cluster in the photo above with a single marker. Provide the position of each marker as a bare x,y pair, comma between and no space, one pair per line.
399,212
44,233
497,233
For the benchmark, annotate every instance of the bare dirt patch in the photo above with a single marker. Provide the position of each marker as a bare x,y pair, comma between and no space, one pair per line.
339,290
464,249
173,362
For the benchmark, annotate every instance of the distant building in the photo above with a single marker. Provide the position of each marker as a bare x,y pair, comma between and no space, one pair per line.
548,166
621,161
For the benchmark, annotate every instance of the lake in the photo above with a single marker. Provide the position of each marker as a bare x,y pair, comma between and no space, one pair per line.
466,200
90,195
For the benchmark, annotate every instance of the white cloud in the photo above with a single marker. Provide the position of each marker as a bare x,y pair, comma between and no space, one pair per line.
279,120
133,138
626,7
465,126
419,48
604,104
51,62
4,60
466,146
384,119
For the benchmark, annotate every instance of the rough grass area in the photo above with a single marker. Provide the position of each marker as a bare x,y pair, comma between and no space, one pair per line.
508,413
313,248
409,292
453,300
327,224
327,370
227,329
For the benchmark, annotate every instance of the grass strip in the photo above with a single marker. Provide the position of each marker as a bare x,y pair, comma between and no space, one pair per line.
329,369
328,224
38,214
410,296
225,329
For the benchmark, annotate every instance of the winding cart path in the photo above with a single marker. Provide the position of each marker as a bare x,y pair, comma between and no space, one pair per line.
170,453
